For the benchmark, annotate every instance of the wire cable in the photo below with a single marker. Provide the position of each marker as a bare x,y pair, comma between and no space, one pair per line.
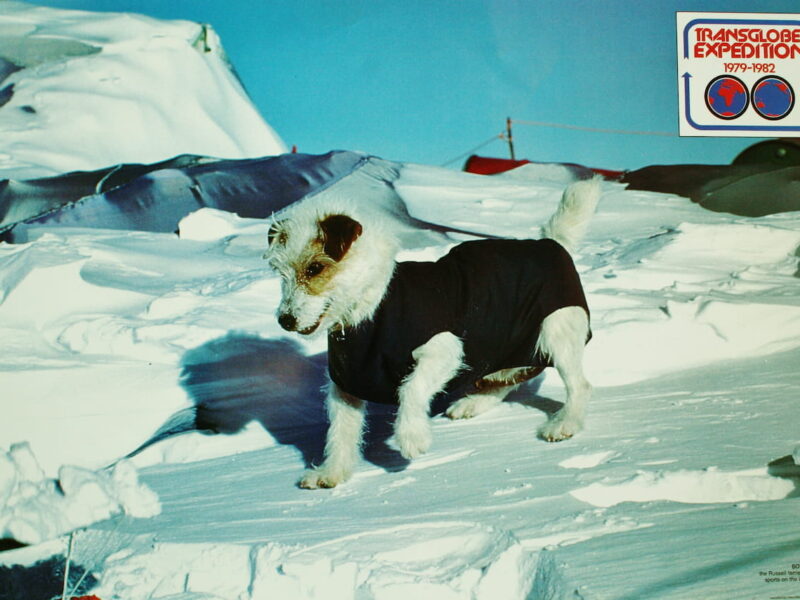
593,129
500,136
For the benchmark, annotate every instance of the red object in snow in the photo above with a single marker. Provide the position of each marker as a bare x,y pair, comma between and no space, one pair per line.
484,165
85,598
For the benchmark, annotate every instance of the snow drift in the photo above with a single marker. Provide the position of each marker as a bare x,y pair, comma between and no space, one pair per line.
34,509
82,91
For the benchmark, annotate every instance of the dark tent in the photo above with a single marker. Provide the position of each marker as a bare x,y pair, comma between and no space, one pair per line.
764,179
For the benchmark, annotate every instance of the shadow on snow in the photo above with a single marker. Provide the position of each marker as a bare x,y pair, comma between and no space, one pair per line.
240,378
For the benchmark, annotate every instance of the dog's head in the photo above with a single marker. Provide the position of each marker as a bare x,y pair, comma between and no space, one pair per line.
310,254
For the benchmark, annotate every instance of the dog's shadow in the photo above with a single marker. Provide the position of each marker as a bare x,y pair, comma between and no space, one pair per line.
528,395
240,378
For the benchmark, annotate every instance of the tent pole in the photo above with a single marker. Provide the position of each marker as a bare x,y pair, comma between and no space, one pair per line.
510,138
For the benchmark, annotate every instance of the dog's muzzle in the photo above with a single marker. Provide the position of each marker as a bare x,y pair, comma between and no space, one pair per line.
289,323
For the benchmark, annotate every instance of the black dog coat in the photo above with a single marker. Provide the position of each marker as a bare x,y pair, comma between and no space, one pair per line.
492,294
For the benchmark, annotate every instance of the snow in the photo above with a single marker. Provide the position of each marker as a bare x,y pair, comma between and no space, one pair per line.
693,359
90,90
689,487
684,483
34,509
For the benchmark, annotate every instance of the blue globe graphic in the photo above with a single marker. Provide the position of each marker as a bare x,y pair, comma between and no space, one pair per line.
726,97
773,97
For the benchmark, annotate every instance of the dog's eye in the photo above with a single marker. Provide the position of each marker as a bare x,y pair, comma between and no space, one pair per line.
313,269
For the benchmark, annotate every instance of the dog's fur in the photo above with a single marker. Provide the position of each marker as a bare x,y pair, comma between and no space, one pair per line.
336,259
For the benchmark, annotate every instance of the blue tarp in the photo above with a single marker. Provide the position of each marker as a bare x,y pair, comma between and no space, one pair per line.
156,197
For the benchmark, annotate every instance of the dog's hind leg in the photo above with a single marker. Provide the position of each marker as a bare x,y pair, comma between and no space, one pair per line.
436,363
492,389
343,442
562,339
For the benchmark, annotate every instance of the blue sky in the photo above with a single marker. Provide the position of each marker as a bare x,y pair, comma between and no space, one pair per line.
427,80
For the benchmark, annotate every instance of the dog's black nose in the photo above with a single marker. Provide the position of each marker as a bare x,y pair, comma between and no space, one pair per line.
287,321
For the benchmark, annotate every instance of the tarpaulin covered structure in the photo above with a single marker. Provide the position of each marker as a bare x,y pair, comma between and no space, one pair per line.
156,197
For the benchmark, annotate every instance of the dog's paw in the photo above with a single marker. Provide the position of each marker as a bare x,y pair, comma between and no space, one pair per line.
321,477
414,441
560,427
471,406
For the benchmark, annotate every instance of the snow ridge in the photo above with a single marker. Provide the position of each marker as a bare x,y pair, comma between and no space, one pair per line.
481,564
71,74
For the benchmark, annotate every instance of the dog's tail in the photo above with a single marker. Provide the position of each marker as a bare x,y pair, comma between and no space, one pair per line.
568,224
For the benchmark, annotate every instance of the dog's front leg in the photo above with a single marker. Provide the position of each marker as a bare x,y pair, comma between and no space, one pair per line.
343,442
436,363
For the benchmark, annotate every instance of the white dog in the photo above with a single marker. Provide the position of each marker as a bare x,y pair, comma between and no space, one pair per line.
479,321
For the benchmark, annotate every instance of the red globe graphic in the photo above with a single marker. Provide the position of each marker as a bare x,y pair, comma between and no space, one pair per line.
773,97
726,97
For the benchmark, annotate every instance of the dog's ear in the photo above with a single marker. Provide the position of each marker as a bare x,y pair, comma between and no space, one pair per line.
338,234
